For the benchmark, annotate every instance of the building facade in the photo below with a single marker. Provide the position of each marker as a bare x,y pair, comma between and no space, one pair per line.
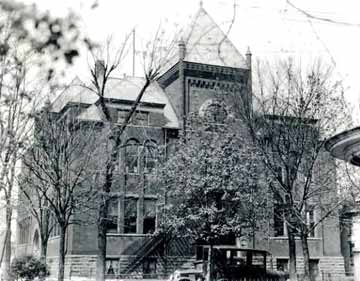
204,68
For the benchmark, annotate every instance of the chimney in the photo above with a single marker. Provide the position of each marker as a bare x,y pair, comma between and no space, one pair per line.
182,49
99,70
248,57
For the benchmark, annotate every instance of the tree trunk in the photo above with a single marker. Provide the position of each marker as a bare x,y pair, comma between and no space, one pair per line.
62,253
43,251
7,242
101,258
209,275
305,248
292,254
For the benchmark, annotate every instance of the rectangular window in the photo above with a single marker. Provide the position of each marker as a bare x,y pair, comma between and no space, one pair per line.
140,119
112,266
132,153
130,215
282,265
112,226
122,116
314,269
149,267
149,215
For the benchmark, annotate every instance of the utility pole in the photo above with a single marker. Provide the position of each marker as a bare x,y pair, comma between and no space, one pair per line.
134,51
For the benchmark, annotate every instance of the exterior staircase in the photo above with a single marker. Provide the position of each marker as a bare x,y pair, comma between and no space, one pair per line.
144,251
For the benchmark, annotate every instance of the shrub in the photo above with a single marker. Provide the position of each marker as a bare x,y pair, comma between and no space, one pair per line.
28,268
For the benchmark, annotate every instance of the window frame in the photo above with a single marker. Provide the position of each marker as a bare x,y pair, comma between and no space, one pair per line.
132,142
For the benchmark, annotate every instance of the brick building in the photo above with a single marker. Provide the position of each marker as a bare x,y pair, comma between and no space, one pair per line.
205,64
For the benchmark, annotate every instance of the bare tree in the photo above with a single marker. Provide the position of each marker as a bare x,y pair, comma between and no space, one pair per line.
295,110
35,203
155,56
28,40
60,166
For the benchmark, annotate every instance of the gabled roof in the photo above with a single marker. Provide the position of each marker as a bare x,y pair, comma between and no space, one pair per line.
124,90
206,43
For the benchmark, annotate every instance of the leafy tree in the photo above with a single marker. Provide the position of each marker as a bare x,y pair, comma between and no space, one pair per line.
29,268
212,185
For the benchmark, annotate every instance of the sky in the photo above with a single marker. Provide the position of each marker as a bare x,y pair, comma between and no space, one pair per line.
271,28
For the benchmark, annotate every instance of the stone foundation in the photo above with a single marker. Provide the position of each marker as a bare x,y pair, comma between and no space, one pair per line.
78,267
330,268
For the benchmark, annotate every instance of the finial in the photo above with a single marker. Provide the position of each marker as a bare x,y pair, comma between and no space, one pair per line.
201,4
182,48
248,52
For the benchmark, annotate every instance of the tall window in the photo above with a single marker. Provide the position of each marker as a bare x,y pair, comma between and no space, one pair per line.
149,215
132,156
314,268
279,221
151,155
113,216
130,215
310,221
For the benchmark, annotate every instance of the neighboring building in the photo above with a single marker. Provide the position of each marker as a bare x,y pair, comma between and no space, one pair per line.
346,146
205,66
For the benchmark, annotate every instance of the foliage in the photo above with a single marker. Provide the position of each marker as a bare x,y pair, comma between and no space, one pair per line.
33,45
29,268
212,185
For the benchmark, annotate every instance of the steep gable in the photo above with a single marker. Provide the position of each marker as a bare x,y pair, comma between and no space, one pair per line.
206,43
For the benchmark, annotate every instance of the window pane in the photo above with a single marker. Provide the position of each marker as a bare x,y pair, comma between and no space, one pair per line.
149,267
112,266
282,265
132,157
151,155
149,216
314,268
113,216
130,215
278,217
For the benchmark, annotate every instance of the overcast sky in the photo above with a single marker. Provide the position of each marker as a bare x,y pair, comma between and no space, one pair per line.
272,28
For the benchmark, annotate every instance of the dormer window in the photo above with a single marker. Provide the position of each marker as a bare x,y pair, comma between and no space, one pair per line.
139,118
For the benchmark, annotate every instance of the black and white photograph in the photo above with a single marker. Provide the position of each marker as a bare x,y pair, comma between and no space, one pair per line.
168,140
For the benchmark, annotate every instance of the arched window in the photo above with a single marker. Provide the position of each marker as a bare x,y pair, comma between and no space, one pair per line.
150,155
214,111
132,156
